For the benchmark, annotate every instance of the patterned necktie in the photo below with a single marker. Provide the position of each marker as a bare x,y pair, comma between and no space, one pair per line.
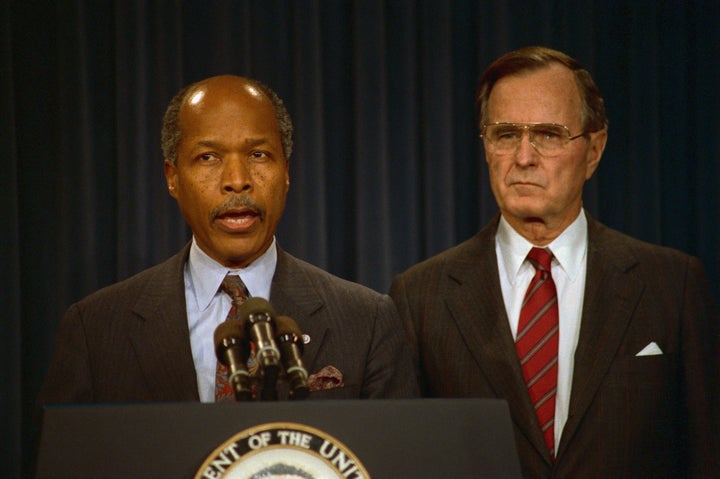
537,343
235,288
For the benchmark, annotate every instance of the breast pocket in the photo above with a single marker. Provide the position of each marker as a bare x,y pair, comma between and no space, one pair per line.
644,371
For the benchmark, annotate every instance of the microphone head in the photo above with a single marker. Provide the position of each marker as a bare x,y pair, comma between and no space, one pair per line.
287,330
286,325
228,333
253,306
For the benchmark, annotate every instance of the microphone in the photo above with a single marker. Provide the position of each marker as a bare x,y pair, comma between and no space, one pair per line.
257,317
288,338
232,350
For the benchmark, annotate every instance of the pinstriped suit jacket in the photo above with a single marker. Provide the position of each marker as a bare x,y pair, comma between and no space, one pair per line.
129,342
630,416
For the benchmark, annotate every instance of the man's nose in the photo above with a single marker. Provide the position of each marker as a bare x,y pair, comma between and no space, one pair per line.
236,175
526,152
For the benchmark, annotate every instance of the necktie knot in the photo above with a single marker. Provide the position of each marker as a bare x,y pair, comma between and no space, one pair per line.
235,288
540,258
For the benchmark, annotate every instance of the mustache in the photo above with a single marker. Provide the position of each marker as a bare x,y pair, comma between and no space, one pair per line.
236,202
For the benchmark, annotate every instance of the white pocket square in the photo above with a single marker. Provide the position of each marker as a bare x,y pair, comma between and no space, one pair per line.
651,349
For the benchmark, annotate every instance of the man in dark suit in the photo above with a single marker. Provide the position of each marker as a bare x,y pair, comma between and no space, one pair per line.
227,142
605,347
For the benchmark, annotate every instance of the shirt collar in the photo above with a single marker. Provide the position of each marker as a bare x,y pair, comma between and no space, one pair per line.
206,274
569,249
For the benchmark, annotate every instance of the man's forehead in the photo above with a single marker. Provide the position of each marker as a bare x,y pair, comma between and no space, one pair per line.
554,82
556,73
210,91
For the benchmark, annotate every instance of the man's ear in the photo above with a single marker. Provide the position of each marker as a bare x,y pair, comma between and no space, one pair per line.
171,178
287,175
598,140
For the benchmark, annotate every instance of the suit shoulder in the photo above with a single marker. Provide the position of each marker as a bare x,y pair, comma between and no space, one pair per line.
154,276
605,237
327,282
660,265
467,251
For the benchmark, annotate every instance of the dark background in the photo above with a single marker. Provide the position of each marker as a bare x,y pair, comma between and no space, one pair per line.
387,168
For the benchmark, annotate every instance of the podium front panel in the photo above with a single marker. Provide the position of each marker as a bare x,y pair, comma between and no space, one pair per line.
393,439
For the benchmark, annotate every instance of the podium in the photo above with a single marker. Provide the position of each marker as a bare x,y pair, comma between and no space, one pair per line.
392,439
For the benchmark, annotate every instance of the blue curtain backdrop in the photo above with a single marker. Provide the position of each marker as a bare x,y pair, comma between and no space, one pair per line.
387,169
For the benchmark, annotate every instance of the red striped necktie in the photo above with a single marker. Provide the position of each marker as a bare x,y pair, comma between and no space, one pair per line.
537,343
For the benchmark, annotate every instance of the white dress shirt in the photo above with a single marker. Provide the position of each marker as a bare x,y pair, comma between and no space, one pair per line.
569,267
208,306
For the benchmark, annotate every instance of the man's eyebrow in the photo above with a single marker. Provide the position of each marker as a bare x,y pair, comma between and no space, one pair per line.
249,143
209,144
252,142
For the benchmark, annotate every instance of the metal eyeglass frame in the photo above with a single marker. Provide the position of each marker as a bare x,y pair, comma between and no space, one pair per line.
529,127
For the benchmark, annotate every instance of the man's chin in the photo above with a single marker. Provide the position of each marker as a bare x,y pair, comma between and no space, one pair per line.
523,208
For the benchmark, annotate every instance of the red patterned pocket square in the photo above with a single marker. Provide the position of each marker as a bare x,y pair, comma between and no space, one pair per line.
328,377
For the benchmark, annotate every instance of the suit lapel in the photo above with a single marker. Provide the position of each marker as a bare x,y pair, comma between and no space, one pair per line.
160,338
476,304
292,295
611,296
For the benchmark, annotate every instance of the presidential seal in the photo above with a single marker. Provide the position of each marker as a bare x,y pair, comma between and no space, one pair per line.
282,451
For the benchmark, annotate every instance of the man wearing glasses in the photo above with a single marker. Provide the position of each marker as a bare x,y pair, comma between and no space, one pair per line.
605,347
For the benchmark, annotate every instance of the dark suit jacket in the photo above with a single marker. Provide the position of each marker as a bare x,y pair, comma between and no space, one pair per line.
630,416
130,342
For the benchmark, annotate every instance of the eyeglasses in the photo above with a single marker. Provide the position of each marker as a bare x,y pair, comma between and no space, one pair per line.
547,138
